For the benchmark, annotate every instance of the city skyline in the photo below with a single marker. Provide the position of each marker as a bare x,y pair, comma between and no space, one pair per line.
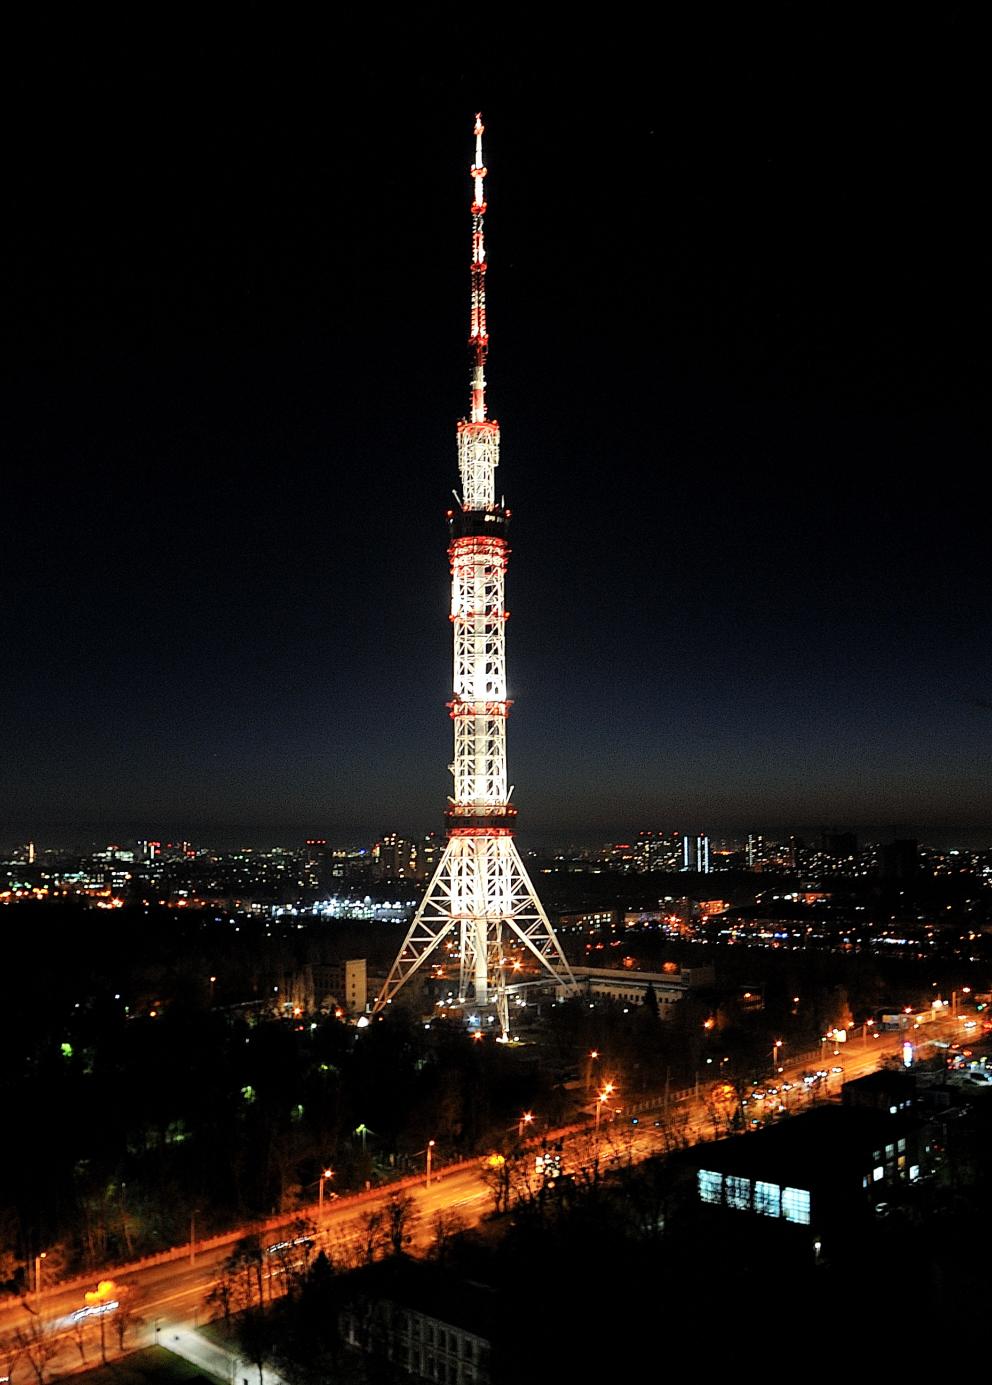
728,343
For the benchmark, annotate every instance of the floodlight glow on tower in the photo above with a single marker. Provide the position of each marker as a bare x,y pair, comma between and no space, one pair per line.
480,901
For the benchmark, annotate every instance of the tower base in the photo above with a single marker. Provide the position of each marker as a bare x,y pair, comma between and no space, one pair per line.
480,906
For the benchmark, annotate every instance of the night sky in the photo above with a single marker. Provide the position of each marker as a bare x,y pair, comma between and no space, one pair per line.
740,318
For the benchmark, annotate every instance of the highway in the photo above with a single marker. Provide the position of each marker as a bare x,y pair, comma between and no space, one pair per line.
173,1294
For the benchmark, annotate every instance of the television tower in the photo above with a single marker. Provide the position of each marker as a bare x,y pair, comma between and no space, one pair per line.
480,900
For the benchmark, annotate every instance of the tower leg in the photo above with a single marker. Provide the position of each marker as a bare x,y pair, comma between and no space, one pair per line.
480,893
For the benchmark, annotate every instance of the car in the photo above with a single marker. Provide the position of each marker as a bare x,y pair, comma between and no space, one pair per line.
757,1096
289,1245
94,1310
836,1068
787,1086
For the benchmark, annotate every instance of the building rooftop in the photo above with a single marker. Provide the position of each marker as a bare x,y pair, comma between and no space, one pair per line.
427,1289
806,1149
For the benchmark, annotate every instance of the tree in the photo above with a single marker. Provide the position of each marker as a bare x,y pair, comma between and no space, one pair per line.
372,1230
79,1330
126,1315
244,1266
10,1354
445,1227
293,1254
221,1296
254,1335
651,1002
36,1343
398,1218
496,1176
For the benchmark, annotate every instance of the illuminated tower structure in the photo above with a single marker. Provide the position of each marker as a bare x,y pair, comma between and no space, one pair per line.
480,902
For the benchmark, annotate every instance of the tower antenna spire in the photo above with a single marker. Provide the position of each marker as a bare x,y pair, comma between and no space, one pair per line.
480,905
478,332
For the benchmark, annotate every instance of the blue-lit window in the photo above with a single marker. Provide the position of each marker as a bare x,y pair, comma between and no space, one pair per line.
767,1198
738,1192
710,1186
795,1205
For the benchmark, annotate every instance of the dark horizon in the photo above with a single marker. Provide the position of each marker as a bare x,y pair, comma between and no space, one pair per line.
79,839
740,359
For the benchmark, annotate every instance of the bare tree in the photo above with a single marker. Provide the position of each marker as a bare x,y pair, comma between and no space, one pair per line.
445,1227
373,1232
399,1216
10,1354
79,1331
127,1315
255,1339
244,1267
496,1174
36,1343
222,1296
293,1255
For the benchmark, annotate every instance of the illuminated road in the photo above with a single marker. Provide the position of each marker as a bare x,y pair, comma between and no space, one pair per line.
173,1293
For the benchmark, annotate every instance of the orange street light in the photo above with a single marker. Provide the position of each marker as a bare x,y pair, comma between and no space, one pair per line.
324,1176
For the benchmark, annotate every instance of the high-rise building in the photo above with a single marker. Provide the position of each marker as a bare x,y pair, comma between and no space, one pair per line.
696,854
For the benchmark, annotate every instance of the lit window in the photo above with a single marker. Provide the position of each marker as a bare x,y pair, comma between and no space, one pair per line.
767,1198
902,1146
710,1186
877,1174
892,1110
738,1192
795,1205
914,1172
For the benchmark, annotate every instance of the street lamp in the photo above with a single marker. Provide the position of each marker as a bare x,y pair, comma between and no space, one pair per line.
776,1046
601,1099
37,1277
527,1118
325,1175
593,1056
430,1154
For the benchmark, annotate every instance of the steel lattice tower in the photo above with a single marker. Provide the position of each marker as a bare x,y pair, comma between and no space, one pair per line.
480,896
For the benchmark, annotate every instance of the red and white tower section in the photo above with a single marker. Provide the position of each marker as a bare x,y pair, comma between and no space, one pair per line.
480,909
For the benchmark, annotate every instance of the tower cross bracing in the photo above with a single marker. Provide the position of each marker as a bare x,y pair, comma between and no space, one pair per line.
480,902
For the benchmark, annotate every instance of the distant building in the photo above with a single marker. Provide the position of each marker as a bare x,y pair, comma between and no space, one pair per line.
899,860
421,1321
588,921
346,983
631,987
696,854
656,851
395,857
840,845
890,1091
429,853
820,1170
